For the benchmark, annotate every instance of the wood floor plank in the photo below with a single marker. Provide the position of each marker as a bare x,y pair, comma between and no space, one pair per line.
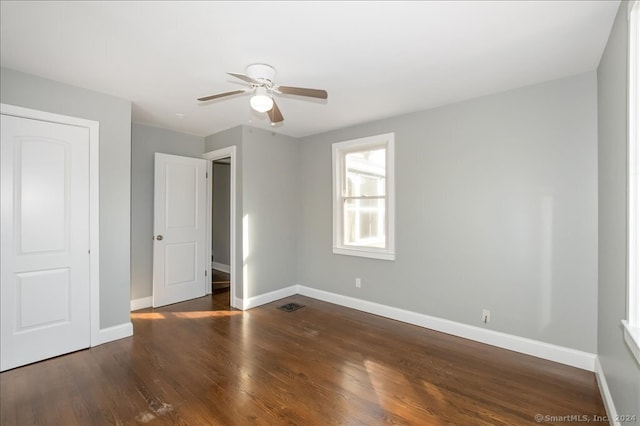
203,363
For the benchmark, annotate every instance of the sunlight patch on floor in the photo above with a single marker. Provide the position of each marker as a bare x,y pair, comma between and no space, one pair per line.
147,315
397,395
185,315
384,380
435,394
205,314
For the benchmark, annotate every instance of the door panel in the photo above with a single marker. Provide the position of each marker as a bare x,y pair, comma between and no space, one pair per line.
181,196
179,264
45,284
53,286
42,219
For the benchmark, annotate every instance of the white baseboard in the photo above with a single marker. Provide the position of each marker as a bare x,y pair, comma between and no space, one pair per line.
262,299
612,413
252,302
221,267
116,332
532,347
238,302
143,302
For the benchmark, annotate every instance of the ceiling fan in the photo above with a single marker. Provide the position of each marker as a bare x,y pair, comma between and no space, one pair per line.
261,77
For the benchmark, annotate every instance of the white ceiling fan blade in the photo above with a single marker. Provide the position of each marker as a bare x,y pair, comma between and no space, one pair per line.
222,95
302,91
245,78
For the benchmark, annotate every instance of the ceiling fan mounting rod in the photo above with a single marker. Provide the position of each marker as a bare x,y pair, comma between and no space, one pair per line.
263,73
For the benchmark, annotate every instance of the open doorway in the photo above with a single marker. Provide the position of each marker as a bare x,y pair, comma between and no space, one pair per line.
222,224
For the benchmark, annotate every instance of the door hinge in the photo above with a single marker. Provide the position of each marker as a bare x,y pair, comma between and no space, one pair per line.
206,175
205,273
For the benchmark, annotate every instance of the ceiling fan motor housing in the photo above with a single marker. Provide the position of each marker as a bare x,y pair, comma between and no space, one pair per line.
262,72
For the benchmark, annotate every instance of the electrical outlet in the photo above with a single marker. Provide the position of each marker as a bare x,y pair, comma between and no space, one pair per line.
358,283
486,316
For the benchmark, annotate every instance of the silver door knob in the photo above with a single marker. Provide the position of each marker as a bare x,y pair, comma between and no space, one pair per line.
159,237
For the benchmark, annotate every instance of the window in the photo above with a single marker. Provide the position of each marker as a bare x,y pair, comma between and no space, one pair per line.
363,194
632,325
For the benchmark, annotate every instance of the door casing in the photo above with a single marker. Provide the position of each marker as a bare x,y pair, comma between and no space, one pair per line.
228,152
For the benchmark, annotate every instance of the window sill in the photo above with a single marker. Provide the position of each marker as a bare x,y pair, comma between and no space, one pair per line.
632,338
365,253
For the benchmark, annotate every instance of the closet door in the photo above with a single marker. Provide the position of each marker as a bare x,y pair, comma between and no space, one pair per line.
45,268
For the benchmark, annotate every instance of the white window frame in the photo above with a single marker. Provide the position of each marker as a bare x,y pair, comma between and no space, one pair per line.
632,324
339,151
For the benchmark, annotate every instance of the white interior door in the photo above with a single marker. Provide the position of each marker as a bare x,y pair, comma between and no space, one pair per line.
45,287
180,267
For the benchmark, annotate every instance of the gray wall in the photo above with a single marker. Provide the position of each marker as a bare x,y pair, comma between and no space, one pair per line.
114,115
270,204
267,166
619,366
145,142
220,244
496,208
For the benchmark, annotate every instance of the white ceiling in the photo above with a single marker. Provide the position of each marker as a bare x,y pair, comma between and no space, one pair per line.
376,59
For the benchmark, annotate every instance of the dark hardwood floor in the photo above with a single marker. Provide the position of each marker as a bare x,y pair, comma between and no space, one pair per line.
200,363
220,281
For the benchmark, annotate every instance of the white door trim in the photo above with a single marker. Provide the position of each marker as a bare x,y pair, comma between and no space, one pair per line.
94,198
212,156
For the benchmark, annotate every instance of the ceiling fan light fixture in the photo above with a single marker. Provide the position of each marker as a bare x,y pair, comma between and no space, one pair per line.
261,78
261,102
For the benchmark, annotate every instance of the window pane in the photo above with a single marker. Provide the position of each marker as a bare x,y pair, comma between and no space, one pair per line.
364,223
365,173
363,197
